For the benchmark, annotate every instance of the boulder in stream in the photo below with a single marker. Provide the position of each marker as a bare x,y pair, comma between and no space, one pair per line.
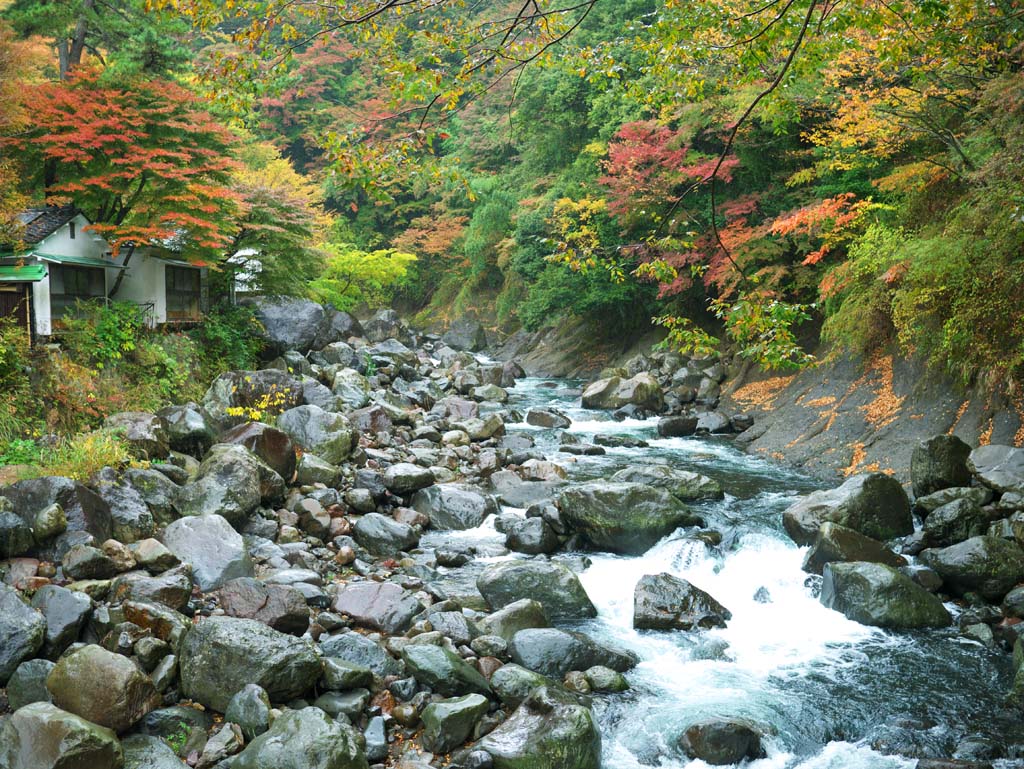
555,586
641,390
987,565
722,741
878,595
873,504
665,602
939,463
836,543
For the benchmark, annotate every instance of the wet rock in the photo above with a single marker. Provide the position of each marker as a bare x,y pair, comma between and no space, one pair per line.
875,594
216,552
173,588
939,463
554,652
188,429
641,390
84,510
131,518
311,470
280,607
1013,603
325,433
335,354
343,705
271,445
28,684
465,334
449,723
145,434
288,323
548,731
677,426
157,491
532,536
722,741
231,483
836,543
664,602
490,392
303,739
48,522
384,536
604,679
337,326
547,417
980,495
405,478
986,565
998,467
42,736
235,397
443,671
65,612
16,536
624,518
221,655
516,616
102,687
514,684
684,485
555,586
359,650
22,632
382,606
87,562
250,709
341,675
874,505
451,506
954,522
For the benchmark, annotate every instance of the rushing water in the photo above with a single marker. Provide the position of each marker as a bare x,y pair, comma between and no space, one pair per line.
824,687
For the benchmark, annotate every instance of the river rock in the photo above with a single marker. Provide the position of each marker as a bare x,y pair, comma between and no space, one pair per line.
158,492
102,687
939,463
448,723
337,326
84,510
516,616
532,536
465,334
979,495
65,612
22,632
172,588
836,543
216,552
16,536
624,518
954,522
684,485
281,607
250,709
145,434
42,736
554,652
288,323
341,675
131,518
678,426
876,594
28,684
405,478
242,396
142,751
384,536
382,606
641,390
665,602
303,739
998,467
555,586
722,741
547,417
359,650
268,443
548,731
231,483
324,433
221,655
874,505
188,429
986,565
451,506
443,671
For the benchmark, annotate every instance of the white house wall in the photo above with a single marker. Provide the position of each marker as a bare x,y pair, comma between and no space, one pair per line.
143,283
41,307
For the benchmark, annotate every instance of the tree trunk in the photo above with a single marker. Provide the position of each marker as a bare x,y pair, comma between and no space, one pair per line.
121,272
77,47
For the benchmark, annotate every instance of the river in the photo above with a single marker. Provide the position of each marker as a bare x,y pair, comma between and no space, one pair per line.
824,688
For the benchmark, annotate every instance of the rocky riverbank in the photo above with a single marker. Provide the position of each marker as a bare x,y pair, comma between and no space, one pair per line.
283,577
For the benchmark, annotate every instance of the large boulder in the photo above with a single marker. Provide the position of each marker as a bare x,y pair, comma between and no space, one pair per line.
303,739
42,736
357,649
188,429
873,504
382,606
382,535
641,390
548,731
172,588
939,463
102,687
622,517
83,508
876,594
146,434
547,417
684,485
836,543
954,522
451,506
216,552
271,445
555,586
244,396
465,334
385,324
516,616
720,741
998,467
553,652
665,602
324,433
221,655
986,565
405,478
16,537
281,607
22,632
131,518
157,491
448,723
350,387
288,323
443,671
231,482
65,612
337,327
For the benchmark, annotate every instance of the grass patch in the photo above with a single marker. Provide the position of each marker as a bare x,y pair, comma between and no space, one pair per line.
77,457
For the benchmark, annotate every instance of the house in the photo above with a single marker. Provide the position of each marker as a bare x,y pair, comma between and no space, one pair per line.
61,262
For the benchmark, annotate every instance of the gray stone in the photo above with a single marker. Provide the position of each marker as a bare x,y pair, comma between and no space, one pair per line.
381,606
215,551
604,679
986,565
83,509
448,723
452,506
514,684
465,334
641,390
173,588
271,445
516,616
281,607
142,751
980,495
337,326
28,684
954,522
405,478
547,417
145,434
65,612
443,671
384,536
22,632
41,736
341,675
532,536
359,650
325,433
874,505
231,483
554,652
684,485
238,396
720,742
665,602
188,429
555,586
303,739
250,709
15,535
289,323
998,467
875,594
679,426
939,463
838,543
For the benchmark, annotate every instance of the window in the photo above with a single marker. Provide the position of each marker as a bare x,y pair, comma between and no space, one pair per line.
183,293
71,229
69,285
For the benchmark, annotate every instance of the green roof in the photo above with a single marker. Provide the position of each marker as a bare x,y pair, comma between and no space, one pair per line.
81,261
29,273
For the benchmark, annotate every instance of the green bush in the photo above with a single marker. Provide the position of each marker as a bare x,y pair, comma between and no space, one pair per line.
102,332
228,337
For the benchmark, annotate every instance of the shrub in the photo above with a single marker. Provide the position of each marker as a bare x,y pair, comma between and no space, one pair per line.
79,456
103,333
228,337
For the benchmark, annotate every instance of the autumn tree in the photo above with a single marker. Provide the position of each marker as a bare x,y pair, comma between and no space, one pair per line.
12,118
